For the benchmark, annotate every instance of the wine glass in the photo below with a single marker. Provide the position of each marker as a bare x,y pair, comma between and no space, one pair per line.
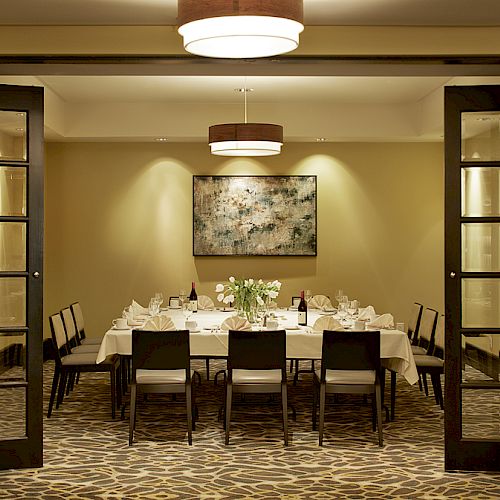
154,306
182,295
159,298
186,308
338,295
352,308
308,295
342,311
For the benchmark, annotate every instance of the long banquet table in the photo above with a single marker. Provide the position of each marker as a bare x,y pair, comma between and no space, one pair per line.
301,343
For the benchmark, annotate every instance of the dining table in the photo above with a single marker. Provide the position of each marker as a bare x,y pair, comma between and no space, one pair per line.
302,342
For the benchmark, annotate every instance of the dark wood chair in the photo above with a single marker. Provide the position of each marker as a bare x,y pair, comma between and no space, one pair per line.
433,364
256,363
350,363
161,364
68,364
76,310
414,321
424,343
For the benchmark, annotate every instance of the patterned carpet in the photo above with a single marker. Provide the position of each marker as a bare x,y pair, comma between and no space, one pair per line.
87,454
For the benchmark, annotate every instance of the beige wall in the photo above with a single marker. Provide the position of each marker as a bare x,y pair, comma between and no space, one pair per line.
119,224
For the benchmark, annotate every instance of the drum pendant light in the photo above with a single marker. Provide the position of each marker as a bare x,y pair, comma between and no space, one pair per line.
239,29
245,139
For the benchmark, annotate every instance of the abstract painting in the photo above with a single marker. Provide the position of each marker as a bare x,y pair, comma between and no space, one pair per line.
254,215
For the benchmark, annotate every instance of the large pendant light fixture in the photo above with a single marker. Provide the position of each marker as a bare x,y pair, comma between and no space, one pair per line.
245,139
240,29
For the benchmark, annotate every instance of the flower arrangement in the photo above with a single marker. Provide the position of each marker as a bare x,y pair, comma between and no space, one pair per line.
247,294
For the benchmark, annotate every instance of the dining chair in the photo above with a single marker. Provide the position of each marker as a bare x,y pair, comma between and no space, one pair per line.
161,364
256,363
350,363
72,335
433,364
76,310
69,363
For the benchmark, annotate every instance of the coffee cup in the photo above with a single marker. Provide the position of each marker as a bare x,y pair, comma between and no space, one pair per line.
272,324
191,325
175,303
120,323
359,325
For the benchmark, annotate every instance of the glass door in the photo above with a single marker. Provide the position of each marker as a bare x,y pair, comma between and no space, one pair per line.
21,263
472,278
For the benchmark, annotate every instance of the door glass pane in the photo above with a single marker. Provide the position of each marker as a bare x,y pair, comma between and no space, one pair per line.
480,247
480,303
481,357
12,413
480,192
481,413
12,246
12,302
12,135
481,136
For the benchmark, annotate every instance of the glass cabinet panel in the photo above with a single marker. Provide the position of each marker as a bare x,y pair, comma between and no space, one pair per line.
480,192
480,303
13,136
481,136
480,247
12,246
12,191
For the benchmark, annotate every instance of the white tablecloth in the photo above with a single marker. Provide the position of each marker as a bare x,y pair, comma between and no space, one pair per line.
395,348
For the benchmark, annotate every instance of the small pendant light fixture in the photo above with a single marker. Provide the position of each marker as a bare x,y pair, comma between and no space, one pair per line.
245,139
240,29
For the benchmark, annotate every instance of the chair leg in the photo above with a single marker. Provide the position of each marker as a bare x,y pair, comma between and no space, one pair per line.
322,400
71,382
284,402
393,394
62,388
424,380
53,391
133,397
436,385
189,413
378,398
229,396
207,367
315,404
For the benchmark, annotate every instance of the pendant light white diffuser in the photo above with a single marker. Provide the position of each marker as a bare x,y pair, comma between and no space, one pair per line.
239,29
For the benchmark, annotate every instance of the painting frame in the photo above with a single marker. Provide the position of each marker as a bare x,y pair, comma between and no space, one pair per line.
255,215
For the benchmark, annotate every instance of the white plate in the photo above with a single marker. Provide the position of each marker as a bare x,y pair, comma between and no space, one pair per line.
227,309
174,307
293,327
293,308
116,328
197,330
326,313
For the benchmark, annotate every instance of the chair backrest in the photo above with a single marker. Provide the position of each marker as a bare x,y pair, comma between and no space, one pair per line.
427,329
414,321
350,350
439,337
76,310
58,332
264,350
158,350
69,325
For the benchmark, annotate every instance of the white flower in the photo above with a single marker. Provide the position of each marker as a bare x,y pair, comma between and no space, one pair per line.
260,301
260,282
250,281
229,298
220,297
219,287
273,294
231,279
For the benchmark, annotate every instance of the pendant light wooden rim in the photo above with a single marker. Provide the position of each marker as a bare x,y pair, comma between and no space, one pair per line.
245,132
194,10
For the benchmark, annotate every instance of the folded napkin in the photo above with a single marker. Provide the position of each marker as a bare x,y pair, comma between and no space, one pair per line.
137,309
368,313
383,321
235,323
205,303
327,323
320,302
128,313
159,324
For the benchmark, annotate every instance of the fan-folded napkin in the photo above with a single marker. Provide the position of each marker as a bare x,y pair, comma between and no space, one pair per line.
383,321
327,323
137,309
368,313
320,302
205,303
235,323
159,324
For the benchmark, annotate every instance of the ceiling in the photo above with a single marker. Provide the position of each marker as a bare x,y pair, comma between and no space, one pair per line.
316,12
181,108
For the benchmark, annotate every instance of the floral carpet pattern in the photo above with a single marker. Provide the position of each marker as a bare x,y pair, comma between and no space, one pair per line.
86,453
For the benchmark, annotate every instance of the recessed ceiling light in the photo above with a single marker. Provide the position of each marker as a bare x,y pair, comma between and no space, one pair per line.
161,139
320,139
20,129
20,114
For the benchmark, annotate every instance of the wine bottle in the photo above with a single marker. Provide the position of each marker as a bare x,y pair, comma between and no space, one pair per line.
193,299
302,310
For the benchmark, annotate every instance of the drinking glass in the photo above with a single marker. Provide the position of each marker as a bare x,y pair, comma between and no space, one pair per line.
342,312
308,295
339,295
186,308
154,306
182,295
353,307
159,298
